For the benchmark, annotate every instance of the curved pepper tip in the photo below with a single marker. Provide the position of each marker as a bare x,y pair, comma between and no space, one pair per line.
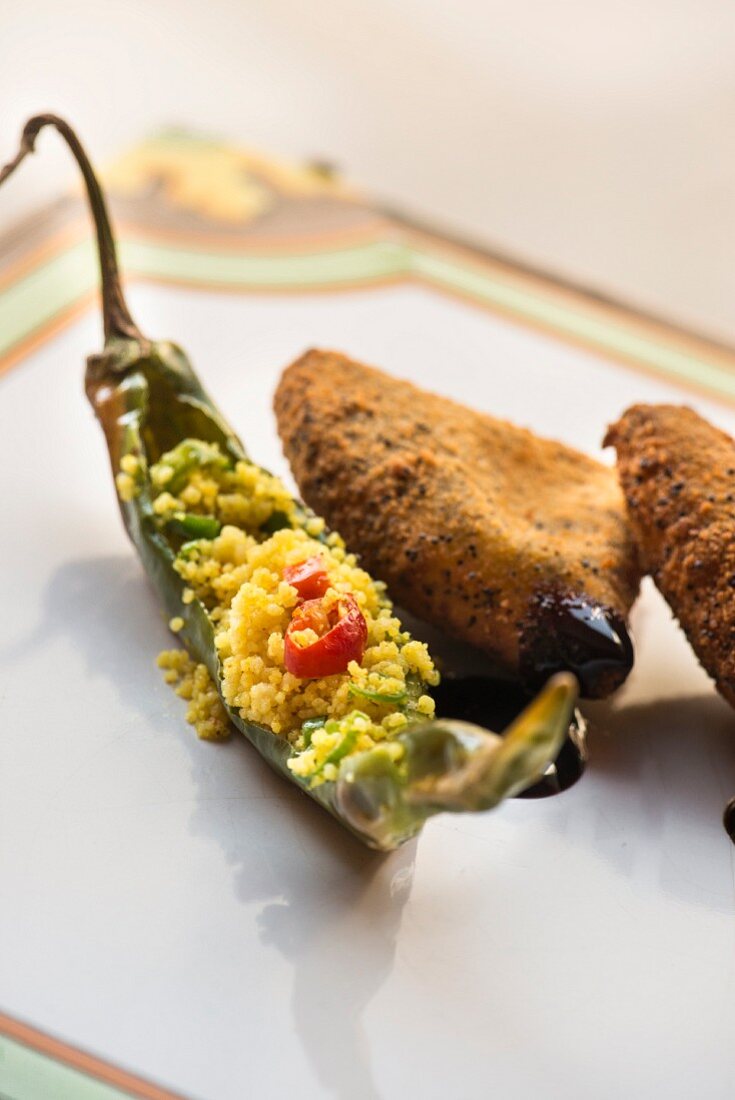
452,766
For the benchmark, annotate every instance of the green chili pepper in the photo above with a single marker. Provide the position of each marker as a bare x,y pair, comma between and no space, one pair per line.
396,697
309,726
194,527
149,401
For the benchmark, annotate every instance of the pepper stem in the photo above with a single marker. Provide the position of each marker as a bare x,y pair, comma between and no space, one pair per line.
116,316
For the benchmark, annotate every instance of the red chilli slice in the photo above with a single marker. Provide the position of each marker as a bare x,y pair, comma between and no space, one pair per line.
309,578
342,634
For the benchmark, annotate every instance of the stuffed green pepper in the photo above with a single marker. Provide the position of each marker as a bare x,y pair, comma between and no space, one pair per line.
284,636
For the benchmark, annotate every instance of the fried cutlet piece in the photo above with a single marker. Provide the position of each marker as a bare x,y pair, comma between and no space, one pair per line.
513,543
678,475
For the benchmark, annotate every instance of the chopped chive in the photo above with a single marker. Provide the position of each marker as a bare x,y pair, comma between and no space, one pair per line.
308,727
396,697
195,527
344,748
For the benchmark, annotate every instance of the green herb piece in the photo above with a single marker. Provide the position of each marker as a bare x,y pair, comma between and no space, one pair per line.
308,728
194,527
396,697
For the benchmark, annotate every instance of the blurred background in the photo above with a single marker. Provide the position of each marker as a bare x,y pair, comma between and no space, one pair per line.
593,139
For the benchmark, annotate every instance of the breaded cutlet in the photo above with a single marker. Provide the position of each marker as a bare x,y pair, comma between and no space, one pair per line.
516,544
678,475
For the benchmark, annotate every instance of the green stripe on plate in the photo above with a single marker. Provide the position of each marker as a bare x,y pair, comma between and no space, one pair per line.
45,292
40,296
566,320
48,291
304,271
26,1074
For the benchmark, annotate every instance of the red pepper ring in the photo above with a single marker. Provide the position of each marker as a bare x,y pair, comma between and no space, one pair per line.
342,634
309,578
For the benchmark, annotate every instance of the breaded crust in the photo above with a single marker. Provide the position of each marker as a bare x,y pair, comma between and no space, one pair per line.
476,525
678,475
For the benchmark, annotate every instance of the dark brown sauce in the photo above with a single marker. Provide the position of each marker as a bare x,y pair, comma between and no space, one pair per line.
728,819
588,639
494,704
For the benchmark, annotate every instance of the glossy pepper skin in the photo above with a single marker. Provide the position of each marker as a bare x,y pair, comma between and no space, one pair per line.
148,399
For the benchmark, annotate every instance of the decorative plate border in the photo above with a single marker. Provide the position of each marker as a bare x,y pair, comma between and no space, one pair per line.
36,1066
50,290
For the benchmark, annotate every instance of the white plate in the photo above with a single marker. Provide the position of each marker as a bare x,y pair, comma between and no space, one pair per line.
176,908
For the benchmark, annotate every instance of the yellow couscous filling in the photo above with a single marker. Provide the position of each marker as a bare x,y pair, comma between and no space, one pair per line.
238,576
127,477
192,682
